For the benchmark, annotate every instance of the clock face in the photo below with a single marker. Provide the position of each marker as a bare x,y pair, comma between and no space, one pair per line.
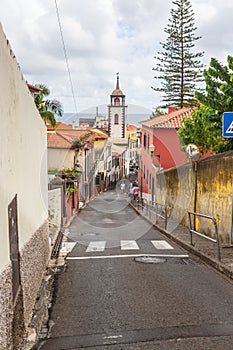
116,101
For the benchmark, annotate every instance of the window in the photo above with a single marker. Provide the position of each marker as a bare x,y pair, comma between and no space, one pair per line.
116,119
116,101
144,141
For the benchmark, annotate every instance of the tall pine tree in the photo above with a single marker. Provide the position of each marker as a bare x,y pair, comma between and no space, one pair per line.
177,66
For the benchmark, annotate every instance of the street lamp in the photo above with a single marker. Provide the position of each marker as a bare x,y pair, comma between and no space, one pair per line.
151,149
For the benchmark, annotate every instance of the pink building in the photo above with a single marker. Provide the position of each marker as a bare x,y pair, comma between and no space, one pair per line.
160,147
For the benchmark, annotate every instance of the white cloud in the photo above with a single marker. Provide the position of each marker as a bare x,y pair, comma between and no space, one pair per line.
103,37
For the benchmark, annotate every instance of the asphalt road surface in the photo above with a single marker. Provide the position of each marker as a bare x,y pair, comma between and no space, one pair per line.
126,286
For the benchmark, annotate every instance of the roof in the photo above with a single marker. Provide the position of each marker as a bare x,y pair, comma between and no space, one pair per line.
57,140
60,125
34,89
64,138
117,91
131,127
172,120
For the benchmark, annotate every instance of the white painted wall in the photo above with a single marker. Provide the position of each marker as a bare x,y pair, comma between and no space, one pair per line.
116,129
59,158
54,207
23,153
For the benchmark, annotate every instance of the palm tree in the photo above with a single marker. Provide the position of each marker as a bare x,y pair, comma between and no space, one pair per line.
47,108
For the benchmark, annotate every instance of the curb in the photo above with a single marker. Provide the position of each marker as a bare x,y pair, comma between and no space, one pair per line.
217,265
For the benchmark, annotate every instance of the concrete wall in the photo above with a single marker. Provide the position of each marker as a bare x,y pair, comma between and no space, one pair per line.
60,158
23,171
55,211
213,195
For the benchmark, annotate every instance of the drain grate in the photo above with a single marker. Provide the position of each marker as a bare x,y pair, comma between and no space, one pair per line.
57,246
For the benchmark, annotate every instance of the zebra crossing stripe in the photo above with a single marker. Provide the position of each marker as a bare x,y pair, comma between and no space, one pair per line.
96,246
99,246
161,245
129,245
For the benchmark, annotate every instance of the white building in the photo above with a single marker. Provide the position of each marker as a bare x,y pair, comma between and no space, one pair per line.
117,113
23,201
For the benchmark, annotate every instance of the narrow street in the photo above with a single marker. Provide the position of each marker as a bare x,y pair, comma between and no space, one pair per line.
126,286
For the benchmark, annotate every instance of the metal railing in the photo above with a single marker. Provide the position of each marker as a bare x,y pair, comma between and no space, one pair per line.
143,203
193,230
160,210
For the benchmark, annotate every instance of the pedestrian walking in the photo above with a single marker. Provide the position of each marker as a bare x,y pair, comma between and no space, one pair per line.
136,192
131,192
122,187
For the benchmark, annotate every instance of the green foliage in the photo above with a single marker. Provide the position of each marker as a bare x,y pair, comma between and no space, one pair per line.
47,108
77,143
177,66
156,113
53,171
70,172
219,87
70,189
205,127
200,131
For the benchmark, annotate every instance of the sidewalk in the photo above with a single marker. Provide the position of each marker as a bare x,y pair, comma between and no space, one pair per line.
203,248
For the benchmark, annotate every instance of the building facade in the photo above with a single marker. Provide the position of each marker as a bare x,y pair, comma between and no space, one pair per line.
160,148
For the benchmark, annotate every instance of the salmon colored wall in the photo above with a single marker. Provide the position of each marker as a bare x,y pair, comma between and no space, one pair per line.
167,145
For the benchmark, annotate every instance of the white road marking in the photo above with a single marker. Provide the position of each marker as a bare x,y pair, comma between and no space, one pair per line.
96,246
126,256
113,336
67,247
161,245
129,245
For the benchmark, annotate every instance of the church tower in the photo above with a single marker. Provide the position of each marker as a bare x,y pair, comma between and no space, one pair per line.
117,112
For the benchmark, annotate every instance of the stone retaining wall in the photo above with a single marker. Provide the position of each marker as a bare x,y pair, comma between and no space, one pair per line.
213,192
33,261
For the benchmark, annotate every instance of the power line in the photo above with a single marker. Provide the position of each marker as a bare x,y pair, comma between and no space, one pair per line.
65,54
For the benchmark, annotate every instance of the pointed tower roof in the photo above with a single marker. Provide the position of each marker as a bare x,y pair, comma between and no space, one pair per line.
117,91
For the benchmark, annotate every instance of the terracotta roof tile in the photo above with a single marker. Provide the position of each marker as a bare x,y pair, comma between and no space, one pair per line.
171,120
56,140
131,128
62,138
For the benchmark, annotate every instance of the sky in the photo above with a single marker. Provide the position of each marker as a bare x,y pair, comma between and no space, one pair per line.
102,38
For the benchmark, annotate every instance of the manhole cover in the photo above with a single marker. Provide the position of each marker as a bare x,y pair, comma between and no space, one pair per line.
150,260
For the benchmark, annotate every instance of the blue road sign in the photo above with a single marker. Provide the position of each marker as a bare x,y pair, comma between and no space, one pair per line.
227,125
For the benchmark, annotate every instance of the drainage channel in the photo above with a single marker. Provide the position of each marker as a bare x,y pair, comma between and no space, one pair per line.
57,246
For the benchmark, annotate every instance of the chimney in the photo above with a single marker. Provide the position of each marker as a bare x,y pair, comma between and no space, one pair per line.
171,109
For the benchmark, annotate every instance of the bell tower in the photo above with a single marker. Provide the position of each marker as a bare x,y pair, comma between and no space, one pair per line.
117,112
